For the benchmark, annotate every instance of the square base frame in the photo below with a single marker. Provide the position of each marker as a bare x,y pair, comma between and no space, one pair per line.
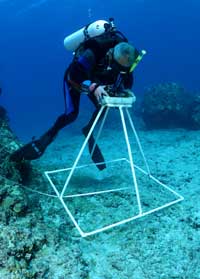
121,106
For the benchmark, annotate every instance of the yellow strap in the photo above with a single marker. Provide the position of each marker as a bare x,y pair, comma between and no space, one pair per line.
139,58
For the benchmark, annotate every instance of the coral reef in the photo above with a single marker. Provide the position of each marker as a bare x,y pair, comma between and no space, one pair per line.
8,143
20,246
38,240
168,105
28,242
195,112
17,244
13,200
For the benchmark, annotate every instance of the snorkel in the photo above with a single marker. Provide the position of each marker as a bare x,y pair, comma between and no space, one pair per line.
116,87
137,60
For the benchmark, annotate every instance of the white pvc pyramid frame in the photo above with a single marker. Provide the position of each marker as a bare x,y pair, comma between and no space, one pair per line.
121,106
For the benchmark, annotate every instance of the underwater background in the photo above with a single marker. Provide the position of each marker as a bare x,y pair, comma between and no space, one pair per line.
37,237
33,59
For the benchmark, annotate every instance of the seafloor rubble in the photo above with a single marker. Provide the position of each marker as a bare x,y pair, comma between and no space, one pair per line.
38,240
168,105
26,244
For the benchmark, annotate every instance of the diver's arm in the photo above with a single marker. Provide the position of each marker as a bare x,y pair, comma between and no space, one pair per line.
128,84
81,69
128,81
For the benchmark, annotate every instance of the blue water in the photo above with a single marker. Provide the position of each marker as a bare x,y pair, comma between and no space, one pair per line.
33,59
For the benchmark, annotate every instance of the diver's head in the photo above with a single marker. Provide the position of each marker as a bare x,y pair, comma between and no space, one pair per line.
125,54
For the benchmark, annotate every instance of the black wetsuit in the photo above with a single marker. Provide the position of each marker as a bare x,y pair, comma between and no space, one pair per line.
92,64
89,66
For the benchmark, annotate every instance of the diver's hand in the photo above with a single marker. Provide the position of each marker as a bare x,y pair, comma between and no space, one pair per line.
99,92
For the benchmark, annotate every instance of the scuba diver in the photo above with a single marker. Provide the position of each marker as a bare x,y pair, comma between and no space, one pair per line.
102,57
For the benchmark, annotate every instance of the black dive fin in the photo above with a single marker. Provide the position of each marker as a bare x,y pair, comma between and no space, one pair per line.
97,156
34,149
30,151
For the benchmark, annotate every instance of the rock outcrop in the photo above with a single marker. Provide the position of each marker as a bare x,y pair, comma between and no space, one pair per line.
169,105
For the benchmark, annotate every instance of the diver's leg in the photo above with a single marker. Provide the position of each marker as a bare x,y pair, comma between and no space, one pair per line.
98,107
97,156
35,148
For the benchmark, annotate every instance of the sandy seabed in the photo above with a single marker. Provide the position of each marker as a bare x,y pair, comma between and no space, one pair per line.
162,245
165,244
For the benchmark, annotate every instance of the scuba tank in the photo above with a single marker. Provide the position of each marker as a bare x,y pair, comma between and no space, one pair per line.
91,30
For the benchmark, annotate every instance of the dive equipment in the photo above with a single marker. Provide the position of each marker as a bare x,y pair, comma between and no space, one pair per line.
137,60
94,29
